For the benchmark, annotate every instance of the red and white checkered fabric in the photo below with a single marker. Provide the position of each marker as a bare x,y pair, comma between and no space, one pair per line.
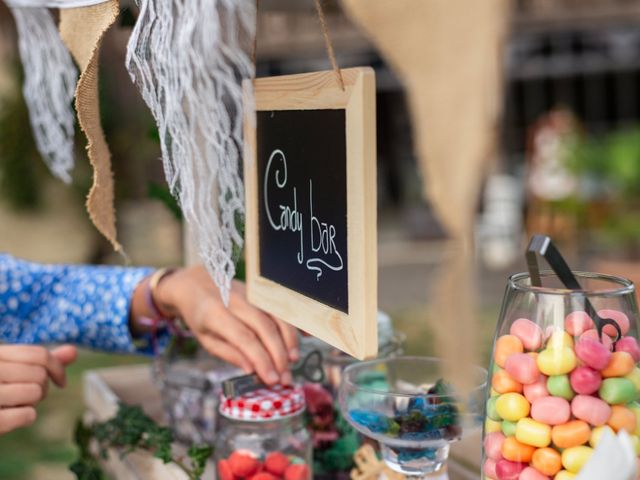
264,404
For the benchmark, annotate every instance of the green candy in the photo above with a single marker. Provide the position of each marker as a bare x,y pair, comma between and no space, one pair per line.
559,386
492,412
617,390
509,428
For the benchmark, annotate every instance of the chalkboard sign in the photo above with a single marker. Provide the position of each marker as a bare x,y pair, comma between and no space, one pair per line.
302,187
311,204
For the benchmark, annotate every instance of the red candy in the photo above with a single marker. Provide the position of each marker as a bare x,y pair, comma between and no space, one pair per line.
243,464
490,468
577,323
536,390
551,410
506,470
629,345
529,333
522,367
297,472
276,463
531,473
493,445
585,380
590,409
224,470
263,476
592,352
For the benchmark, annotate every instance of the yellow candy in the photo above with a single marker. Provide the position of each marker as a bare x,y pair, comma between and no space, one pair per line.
596,434
574,458
533,433
634,376
559,339
512,406
491,426
557,361
564,475
494,393
636,443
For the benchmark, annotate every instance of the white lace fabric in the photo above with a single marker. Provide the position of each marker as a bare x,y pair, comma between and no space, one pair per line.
188,59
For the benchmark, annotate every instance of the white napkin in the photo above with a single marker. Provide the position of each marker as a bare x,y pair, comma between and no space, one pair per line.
613,459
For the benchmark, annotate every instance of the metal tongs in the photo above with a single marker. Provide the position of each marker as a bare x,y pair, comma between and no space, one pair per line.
309,367
543,246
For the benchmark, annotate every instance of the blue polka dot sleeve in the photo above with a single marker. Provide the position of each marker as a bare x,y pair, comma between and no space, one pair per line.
80,304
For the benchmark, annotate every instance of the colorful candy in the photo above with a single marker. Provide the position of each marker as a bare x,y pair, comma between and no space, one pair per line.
491,426
617,390
577,323
506,470
493,445
629,345
556,361
530,473
492,412
533,433
560,386
551,410
509,428
590,409
502,382
593,335
620,364
537,389
635,408
585,380
505,346
571,434
634,376
547,461
559,339
622,419
522,368
515,451
564,475
489,469
597,433
619,317
512,406
529,333
593,353
574,458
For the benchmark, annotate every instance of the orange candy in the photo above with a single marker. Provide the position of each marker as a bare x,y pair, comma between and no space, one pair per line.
505,346
622,419
502,382
620,364
547,461
570,434
515,451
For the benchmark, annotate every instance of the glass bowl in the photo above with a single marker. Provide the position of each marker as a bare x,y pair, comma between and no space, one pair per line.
408,407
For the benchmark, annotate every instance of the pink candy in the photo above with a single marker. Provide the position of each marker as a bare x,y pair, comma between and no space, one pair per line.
493,445
585,380
577,323
529,333
490,468
629,345
531,473
620,318
593,353
506,470
522,367
536,390
590,409
551,410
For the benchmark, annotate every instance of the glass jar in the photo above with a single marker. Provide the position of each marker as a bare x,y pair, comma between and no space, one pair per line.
556,384
264,431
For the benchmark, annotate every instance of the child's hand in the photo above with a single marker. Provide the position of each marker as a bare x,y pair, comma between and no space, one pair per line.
25,371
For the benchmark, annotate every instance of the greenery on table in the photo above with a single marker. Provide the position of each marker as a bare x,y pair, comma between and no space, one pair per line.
130,430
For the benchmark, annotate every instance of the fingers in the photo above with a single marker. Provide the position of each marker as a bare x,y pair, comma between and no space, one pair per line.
12,418
20,394
65,354
221,349
22,373
35,355
290,336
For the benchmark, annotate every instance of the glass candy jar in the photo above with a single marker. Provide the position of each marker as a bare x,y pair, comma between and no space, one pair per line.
557,384
263,431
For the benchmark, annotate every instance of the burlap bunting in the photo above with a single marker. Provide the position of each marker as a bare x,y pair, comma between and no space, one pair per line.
82,29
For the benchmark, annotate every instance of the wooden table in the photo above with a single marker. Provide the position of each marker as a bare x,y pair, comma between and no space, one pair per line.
105,388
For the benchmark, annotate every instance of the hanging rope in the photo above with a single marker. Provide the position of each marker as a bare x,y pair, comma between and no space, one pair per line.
327,42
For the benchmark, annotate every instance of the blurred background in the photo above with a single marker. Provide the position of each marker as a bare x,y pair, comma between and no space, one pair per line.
568,165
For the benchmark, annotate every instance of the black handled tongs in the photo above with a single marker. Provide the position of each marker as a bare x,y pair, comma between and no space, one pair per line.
541,245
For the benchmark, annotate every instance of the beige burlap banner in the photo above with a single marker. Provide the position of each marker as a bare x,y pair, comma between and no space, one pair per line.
82,29
449,55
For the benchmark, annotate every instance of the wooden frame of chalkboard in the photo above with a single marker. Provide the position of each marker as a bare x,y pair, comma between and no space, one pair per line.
307,124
